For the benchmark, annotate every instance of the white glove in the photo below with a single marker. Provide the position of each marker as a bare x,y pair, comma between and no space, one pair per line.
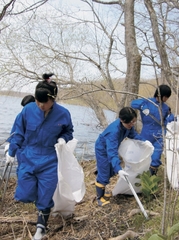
6,148
122,174
146,112
148,142
145,142
61,141
9,159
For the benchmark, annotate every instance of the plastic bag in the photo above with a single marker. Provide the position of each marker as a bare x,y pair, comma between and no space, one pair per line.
137,158
172,154
71,186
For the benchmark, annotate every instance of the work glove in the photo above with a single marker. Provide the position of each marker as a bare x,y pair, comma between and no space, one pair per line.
148,142
61,141
9,159
6,148
122,174
146,112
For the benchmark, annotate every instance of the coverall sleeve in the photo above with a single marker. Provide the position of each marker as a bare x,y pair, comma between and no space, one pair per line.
112,145
139,104
18,137
170,118
67,132
134,135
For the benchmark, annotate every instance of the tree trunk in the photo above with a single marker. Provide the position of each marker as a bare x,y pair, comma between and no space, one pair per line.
132,55
165,66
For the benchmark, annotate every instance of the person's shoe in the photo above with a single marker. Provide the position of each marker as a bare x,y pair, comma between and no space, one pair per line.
40,232
102,202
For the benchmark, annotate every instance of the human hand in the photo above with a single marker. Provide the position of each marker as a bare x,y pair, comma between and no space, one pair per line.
122,174
146,112
6,148
61,141
148,142
9,159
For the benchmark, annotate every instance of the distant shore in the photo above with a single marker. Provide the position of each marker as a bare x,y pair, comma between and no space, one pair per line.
14,93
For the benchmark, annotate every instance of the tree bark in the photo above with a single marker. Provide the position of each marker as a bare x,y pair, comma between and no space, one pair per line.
132,55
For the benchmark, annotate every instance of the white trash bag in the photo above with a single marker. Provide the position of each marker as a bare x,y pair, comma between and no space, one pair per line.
172,154
137,158
71,186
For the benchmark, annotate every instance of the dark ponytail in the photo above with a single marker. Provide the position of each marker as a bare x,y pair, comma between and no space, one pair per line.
46,89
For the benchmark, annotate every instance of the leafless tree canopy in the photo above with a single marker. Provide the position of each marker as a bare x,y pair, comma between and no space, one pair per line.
95,50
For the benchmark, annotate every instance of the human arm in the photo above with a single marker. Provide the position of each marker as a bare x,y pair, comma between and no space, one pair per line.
141,105
67,131
18,137
113,157
170,118
134,135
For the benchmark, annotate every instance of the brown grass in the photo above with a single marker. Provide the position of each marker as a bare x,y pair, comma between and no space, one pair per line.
89,222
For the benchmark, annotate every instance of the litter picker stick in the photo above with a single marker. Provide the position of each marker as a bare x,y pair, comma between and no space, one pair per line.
4,174
8,165
7,138
137,198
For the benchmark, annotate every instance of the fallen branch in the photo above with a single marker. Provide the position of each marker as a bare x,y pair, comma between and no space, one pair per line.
129,234
17,219
136,211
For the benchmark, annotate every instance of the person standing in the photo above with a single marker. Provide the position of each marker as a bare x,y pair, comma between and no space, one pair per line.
40,126
152,121
106,150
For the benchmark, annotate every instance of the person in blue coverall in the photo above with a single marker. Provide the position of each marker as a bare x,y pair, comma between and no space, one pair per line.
27,99
151,121
106,150
40,126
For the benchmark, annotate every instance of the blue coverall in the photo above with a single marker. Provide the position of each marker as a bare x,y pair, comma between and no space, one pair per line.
18,152
151,129
106,150
37,176
170,118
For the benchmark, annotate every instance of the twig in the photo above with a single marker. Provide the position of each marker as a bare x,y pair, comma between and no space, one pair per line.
129,234
136,211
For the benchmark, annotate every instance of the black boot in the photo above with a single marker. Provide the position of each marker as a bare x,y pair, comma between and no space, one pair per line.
100,190
153,170
41,224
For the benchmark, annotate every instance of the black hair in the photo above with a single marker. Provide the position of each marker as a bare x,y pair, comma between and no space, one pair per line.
27,99
46,89
165,91
126,114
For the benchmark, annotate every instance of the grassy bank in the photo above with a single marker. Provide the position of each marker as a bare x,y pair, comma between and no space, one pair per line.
89,222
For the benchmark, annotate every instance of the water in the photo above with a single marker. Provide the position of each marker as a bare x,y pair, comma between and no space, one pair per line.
83,118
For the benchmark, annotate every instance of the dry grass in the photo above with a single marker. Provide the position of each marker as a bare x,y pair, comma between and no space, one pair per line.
89,221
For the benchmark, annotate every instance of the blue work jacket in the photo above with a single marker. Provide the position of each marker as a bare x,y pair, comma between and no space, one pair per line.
107,144
40,133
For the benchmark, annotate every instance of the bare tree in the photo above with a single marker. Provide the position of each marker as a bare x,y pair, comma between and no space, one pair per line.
9,8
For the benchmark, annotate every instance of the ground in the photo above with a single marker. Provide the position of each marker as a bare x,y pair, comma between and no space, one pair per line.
89,221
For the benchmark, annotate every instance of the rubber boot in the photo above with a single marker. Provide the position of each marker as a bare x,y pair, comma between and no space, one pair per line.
153,170
100,190
107,195
41,224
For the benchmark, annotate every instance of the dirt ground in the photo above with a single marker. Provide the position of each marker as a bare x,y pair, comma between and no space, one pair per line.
89,221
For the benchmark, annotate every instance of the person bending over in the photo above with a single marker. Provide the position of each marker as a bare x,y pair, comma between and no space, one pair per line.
106,150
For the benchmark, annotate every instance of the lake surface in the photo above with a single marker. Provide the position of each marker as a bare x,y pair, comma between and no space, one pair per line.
83,118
